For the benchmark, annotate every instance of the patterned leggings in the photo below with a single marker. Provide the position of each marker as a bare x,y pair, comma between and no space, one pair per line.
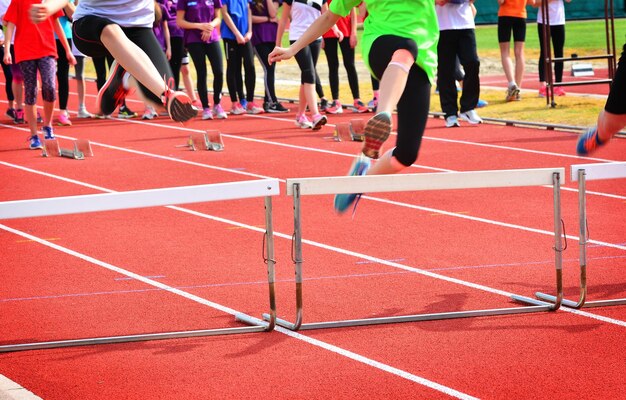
47,70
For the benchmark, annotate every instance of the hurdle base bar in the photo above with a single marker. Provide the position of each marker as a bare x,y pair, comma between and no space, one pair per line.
541,307
259,326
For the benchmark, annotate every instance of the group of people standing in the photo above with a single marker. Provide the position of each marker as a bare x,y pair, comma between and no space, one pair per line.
401,48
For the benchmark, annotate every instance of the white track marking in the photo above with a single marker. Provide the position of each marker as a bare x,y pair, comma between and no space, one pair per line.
318,343
356,254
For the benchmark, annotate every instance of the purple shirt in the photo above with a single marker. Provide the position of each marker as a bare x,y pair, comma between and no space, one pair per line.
175,30
199,11
265,32
158,28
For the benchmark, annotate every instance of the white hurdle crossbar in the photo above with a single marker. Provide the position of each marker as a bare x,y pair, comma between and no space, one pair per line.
151,198
415,182
583,173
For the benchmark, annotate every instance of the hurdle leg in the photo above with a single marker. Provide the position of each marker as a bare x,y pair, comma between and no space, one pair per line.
558,250
271,274
297,254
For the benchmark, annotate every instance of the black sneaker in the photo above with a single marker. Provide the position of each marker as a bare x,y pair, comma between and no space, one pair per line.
275,108
323,105
113,92
126,113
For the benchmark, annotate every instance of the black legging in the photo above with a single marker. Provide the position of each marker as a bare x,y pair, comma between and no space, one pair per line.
347,54
557,34
262,51
63,74
414,102
199,52
100,65
236,55
177,45
8,76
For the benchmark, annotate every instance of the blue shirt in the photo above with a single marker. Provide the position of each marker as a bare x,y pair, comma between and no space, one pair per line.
238,11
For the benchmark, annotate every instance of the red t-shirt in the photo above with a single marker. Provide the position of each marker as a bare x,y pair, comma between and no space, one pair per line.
343,24
32,41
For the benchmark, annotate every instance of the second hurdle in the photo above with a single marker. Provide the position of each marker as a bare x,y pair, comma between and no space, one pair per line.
421,182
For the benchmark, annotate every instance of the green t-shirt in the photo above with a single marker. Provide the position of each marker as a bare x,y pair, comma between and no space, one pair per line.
413,19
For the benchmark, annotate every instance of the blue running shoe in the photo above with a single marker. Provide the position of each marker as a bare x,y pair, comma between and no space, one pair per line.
47,132
481,103
35,143
588,142
359,167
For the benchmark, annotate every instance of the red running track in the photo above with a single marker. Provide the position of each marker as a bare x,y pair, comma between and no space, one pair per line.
69,276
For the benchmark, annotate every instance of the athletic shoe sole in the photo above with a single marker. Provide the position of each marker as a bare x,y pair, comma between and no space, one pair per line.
180,108
376,132
109,97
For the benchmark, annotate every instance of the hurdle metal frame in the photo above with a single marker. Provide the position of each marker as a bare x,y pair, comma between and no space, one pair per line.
582,173
142,199
416,182
610,55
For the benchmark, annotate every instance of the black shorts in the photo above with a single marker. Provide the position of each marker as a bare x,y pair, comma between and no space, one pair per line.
506,25
616,104
382,51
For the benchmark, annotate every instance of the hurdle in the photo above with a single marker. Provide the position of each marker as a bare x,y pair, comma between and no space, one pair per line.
582,173
265,188
420,182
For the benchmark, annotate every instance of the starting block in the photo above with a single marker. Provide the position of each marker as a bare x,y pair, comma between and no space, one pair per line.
357,128
210,140
350,131
82,148
343,132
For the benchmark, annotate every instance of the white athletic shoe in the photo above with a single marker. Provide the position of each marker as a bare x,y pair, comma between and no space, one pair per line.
471,116
452,121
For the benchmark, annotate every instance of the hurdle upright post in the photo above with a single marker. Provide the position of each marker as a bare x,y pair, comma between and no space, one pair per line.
580,173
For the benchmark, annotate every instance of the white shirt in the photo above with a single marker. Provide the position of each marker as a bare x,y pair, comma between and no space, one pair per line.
455,16
125,13
556,13
302,16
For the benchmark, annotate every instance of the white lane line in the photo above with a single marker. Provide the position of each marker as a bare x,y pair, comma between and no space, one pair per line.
361,255
318,343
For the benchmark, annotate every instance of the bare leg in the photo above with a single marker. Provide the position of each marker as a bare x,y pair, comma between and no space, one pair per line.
387,164
48,111
609,124
31,116
392,86
308,90
520,62
507,64
184,69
